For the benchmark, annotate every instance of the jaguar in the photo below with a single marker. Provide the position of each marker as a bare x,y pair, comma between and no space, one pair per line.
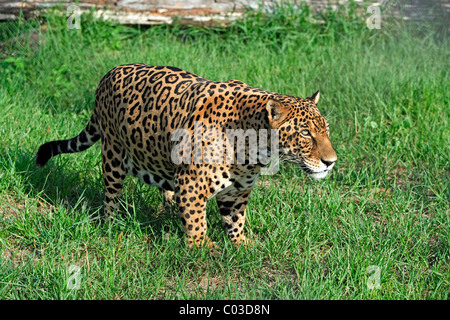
139,107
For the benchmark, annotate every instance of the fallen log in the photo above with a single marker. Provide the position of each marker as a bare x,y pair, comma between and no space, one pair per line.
207,12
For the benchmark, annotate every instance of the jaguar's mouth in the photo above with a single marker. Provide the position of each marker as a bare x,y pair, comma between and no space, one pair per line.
316,173
312,171
319,175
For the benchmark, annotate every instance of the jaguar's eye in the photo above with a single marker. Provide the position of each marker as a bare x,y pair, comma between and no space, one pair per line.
305,133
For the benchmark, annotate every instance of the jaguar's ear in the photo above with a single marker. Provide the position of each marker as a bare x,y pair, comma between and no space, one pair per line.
315,97
276,111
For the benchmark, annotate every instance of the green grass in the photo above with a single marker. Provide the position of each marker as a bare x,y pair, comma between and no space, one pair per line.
385,93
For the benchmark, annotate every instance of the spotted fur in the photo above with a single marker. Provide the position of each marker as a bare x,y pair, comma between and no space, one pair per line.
138,108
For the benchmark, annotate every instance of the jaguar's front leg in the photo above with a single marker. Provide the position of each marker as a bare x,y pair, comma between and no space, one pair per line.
232,206
191,204
169,201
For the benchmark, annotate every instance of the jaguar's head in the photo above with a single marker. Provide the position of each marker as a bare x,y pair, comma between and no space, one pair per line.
303,133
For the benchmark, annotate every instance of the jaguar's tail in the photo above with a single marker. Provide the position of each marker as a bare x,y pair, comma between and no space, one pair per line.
84,140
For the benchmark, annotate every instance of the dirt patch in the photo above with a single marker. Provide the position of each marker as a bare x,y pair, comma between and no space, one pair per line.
12,249
12,208
16,256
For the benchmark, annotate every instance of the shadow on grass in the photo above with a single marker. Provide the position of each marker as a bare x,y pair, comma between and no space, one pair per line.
62,187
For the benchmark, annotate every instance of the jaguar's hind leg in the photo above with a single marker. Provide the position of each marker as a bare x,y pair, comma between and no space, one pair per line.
114,174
